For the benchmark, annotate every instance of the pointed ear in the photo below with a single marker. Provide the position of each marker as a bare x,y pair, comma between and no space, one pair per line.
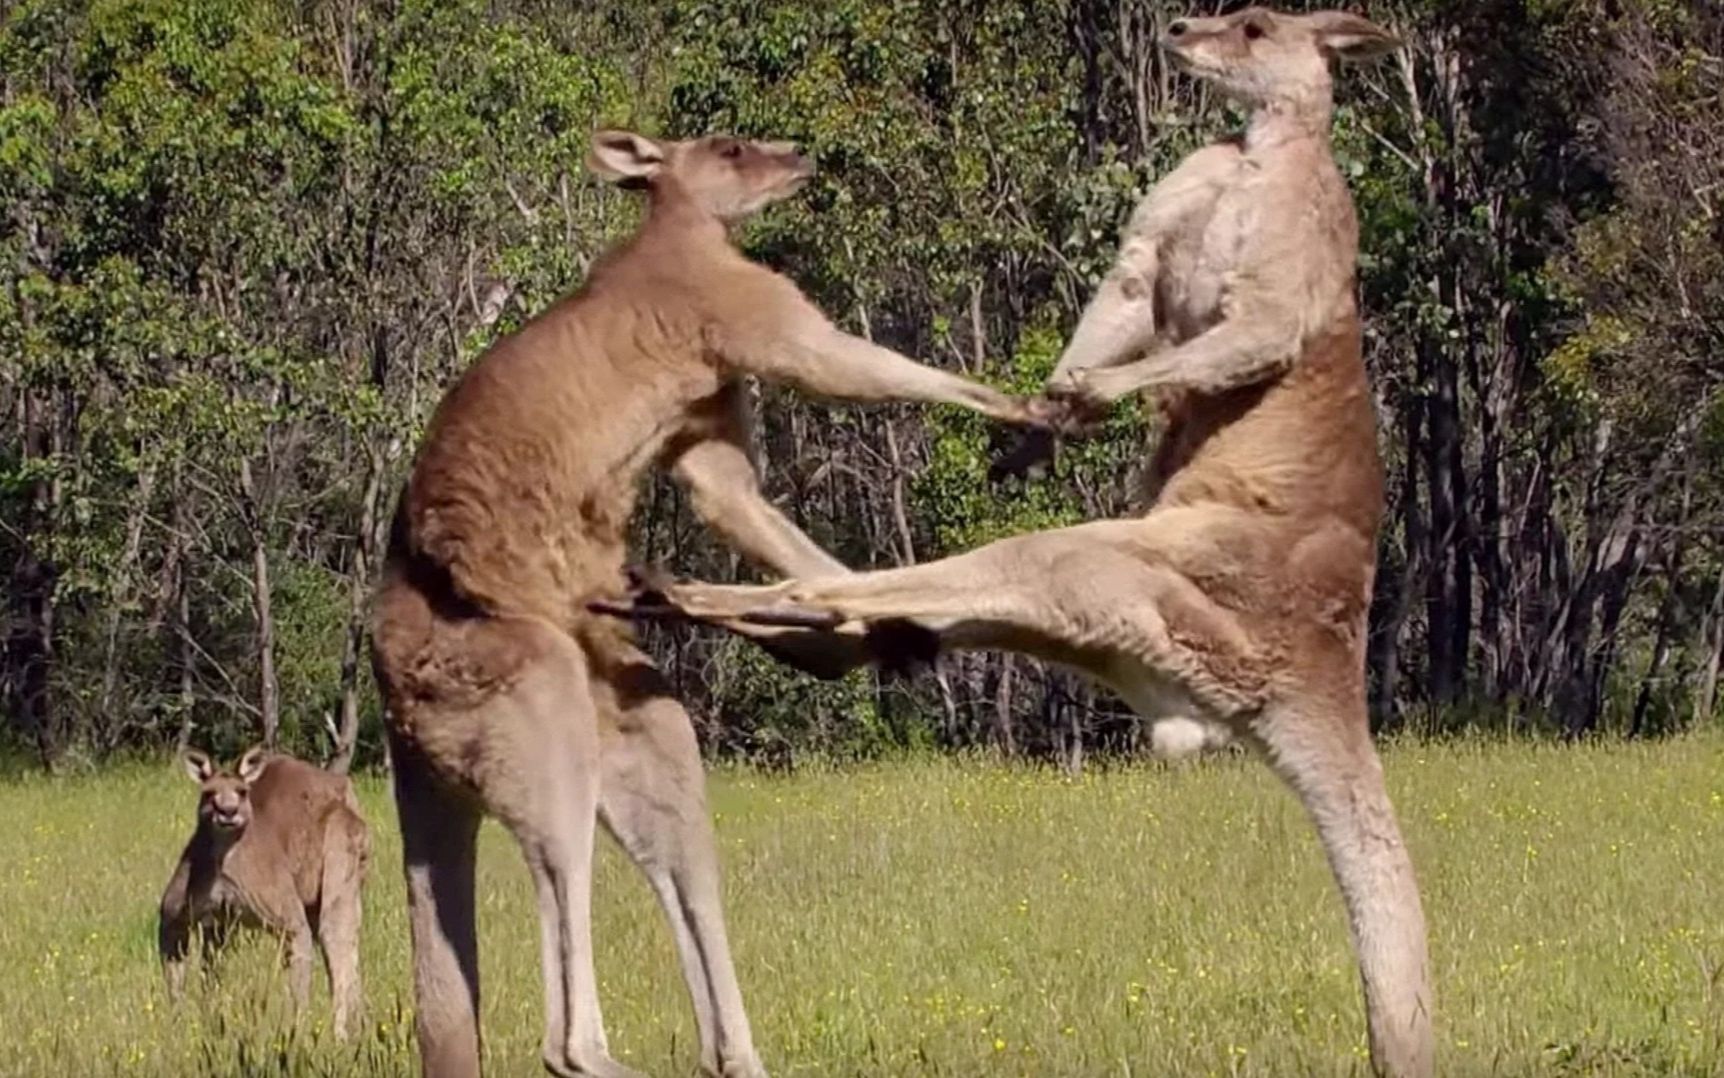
623,155
1349,37
251,764
197,765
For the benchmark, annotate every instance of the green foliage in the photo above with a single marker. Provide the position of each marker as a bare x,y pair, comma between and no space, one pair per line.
970,511
248,244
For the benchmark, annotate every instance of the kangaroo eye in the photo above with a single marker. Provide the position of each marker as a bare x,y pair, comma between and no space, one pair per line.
1253,30
734,150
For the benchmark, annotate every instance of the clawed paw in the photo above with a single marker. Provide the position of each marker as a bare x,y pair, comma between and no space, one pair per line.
1077,400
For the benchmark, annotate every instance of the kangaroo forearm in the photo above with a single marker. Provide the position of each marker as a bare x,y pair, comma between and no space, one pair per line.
1119,321
1238,352
763,535
843,367
724,492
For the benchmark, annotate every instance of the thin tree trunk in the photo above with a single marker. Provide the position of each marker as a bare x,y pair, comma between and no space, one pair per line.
1706,694
187,657
1392,603
268,702
268,693
359,589
1655,667
122,591
1667,609
30,653
1448,587
1074,754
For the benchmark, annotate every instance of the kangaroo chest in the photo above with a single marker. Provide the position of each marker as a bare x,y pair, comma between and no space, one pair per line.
1201,257
221,898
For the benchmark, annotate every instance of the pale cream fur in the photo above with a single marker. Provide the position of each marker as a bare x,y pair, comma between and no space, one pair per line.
1240,598
503,693
280,845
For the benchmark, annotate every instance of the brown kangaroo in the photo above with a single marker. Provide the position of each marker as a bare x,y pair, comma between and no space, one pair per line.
279,845
503,693
1240,598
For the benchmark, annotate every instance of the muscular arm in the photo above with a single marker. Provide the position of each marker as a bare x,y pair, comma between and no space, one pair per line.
724,491
767,328
1258,341
712,463
173,928
1119,323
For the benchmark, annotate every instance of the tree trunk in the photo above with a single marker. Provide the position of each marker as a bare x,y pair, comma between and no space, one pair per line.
359,590
268,692
1448,587
30,653
122,592
1706,693
1655,667
1393,598
1667,609
187,657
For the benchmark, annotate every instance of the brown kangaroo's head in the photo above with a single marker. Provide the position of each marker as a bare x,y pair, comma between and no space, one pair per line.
1260,56
224,797
729,178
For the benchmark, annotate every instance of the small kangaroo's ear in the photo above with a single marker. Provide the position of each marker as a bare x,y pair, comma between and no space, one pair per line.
251,764
197,765
1349,37
620,156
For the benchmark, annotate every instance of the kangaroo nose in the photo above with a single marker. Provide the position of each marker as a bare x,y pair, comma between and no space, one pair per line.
1176,28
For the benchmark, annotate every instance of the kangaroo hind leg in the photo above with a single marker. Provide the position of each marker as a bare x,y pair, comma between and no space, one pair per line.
1324,753
539,775
654,803
344,860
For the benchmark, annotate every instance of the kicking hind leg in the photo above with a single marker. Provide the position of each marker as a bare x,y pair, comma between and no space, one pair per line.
1003,587
1098,597
654,803
1323,750
346,852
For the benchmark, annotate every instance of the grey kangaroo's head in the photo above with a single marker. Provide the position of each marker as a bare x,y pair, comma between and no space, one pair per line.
728,177
1260,56
224,796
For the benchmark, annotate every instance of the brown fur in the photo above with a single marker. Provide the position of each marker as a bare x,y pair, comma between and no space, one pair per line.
1240,597
503,693
280,845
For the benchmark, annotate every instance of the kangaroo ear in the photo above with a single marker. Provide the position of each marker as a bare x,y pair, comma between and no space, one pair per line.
251,764
1349,37
197,765
619,156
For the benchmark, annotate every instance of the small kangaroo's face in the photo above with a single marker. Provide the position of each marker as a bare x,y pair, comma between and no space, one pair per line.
728,177
1257,55
224,797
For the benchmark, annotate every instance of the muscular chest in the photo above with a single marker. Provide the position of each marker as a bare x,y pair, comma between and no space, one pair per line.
1200,259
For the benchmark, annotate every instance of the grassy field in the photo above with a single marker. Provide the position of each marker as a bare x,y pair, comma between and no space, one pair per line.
969,918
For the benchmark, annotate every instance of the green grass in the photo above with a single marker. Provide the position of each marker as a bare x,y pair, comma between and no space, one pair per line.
969,918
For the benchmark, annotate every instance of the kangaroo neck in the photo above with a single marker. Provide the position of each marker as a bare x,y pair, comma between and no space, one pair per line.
671,208
1287,120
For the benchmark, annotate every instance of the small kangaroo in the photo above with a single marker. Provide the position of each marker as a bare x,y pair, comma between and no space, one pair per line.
279,845
1240,597
504,694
